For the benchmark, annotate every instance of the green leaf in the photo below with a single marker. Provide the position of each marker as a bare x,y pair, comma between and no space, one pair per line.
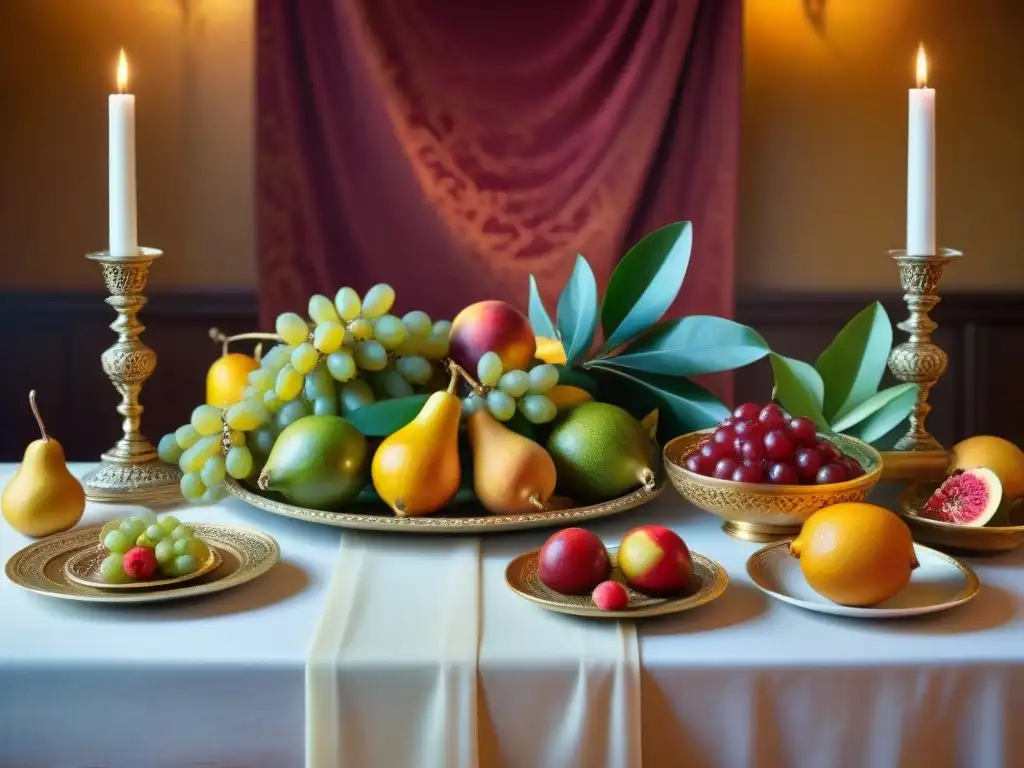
799,388
577,311
382,418
539,317
875,402
885,419
645,283
574,377
690,406
693,346
853,364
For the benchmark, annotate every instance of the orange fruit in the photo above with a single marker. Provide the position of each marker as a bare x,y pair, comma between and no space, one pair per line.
226,379
855,553
550,350
1001,456
565,396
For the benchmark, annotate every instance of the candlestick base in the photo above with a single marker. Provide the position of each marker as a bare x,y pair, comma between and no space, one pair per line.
918,360
131,472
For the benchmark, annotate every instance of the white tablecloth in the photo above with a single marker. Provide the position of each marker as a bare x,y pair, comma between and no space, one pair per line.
442,670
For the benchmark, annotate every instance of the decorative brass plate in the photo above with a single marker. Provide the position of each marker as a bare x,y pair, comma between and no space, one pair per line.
988,539
709,581
83,567
245,554
378,518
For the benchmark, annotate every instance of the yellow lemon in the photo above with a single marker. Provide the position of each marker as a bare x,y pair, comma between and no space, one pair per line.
1001,456
550,351
565,396
855,553
226,379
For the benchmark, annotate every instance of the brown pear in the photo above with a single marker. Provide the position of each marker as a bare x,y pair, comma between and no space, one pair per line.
512,474
43,497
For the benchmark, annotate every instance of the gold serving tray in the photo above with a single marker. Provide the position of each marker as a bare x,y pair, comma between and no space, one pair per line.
709,582
245,554
958,538
83,567
377,517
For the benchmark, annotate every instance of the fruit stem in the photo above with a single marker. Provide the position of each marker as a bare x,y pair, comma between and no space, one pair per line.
537,503
263,481
399,505
39,418
477,387
216,335
647,477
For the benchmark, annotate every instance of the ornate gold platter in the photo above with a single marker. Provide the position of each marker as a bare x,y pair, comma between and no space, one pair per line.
709,582
961,538
244,553
468,518
83,567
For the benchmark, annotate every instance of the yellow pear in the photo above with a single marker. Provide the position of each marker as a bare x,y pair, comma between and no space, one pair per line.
512,475
43,497
416,469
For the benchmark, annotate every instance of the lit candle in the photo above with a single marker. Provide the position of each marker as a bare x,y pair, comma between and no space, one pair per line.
921,164
123,234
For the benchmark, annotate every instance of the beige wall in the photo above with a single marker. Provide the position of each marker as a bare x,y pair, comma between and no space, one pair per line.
824,139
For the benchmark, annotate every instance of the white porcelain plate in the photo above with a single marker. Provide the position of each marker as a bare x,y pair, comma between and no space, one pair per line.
940,582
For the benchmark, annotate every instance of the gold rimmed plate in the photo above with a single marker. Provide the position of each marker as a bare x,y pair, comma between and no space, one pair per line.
83,567
467,518
244,553
709,582
961,538
939,583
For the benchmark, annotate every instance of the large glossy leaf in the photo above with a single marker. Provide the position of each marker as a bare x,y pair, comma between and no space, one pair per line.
682,405
798,388
692,346
853,364
885,419
645,283
382,418
577,311
539,317
874,403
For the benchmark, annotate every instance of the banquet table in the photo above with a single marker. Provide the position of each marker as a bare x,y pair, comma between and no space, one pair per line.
369,650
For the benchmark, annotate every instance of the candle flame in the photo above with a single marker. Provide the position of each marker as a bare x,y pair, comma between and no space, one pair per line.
922,67
122,73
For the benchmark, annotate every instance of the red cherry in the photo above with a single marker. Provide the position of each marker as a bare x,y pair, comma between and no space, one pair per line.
772,417
751,449
725,467
802,430
782,474
748,429
808,462
777,445
737,446
851,466
748,473
746,412
724,435
830,473
715,451
829,453
727,422
700,464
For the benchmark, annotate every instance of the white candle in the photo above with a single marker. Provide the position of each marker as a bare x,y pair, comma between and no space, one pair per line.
123,233
921,164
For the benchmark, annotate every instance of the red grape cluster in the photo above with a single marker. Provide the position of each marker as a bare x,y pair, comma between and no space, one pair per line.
764,445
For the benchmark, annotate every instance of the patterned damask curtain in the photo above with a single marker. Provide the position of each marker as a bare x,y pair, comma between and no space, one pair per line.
452,148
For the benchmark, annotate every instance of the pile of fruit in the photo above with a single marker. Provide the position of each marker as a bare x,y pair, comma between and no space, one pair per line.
359,403
653,560
763,444
143,548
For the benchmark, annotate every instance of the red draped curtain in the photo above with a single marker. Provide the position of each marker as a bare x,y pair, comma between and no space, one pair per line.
453,147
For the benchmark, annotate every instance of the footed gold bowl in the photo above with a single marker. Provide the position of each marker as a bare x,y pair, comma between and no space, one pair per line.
761,511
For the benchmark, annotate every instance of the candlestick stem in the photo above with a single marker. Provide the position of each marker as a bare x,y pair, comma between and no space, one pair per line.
918,360
130,471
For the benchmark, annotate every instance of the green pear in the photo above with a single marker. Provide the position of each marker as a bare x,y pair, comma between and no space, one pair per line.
318,461
600,452
43,497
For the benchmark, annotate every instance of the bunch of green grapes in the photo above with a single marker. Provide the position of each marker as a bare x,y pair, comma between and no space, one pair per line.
214,444
349,354
508,391
177,551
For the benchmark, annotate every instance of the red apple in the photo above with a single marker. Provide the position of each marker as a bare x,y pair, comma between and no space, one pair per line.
492,326
573,562
655,561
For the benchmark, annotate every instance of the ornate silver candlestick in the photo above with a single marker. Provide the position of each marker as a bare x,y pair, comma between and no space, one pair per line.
918,455
130,471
